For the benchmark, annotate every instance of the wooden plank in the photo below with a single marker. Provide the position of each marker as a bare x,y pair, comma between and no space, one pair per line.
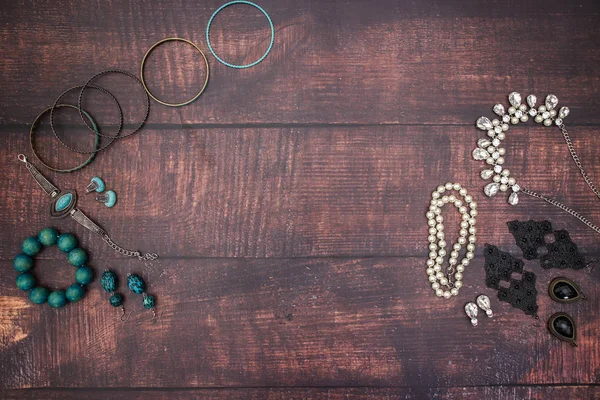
410,62
289,323
503,392
288,192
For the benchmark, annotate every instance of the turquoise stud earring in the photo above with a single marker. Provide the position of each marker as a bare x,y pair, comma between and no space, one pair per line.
109,198
109,284
137,285
96,185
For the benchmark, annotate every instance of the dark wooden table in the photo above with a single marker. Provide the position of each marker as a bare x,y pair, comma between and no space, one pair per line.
287,203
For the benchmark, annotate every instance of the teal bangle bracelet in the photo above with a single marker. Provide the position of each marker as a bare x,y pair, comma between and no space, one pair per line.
227,5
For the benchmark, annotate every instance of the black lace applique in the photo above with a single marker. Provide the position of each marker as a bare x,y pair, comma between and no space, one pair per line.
499,266
563,253
521,293
529,236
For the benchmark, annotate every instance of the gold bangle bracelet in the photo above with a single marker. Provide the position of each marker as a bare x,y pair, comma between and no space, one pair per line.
173,39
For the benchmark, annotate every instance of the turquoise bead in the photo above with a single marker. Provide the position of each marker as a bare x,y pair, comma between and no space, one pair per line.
57,299
84,275
75,293
23,263
48,236
39,295
77,257
109,281
66,242
63,202
136,284
25,281
116,300
149,301
31,246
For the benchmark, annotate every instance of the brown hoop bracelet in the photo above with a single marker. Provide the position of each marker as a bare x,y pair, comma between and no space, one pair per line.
112,138
32,134
115,71
173,39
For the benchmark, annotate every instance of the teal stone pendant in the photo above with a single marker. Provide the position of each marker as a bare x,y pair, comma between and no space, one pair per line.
63,203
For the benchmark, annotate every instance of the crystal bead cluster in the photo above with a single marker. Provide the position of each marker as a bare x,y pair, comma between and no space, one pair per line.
447,284
490,150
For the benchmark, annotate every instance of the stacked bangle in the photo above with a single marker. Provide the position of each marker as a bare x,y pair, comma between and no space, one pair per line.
76,256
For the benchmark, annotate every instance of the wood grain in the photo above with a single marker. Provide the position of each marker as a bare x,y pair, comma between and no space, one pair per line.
298,192
409,62
287,203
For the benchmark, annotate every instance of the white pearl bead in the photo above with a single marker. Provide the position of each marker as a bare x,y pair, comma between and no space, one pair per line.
456,246
432,239
466,217
445,199
502,151
472,239
439,260
472,221
462,240
448,185
432,246
500,160
431,222
431,278
473,213
463,192
447,294
439,227
432,254
432,231
439,218
473,205
468,198
430,271
444,281
465,261
430,215
460,268
458,203
435,286
440,203
435,195
440,235
501,136
472,230
470,247
456,186
458,276
469,255
430,263
458,284
452,261
462,210
454,254
441,189
539,118
464,224
439,275
437,267
442,252
452,198
442,243
511,181
454,291
463,232
439,292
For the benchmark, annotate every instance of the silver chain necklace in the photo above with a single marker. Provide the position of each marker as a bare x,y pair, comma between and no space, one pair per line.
489,150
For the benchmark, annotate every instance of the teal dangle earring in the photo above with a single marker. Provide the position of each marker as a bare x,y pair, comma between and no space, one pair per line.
137,285
109,283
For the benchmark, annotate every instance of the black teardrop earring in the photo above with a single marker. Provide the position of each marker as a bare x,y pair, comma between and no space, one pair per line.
563,290
561,326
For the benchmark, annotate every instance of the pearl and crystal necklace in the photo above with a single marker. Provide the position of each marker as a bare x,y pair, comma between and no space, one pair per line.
446,284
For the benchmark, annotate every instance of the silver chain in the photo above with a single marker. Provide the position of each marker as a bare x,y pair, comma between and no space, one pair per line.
129,253
562,207
587,179
585,176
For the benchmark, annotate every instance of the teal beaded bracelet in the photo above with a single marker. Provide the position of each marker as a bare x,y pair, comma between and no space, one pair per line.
77,257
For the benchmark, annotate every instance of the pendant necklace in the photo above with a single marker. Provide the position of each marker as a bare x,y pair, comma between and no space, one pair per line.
489,149
64,203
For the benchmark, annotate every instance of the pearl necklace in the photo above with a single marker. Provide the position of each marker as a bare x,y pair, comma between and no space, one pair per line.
447,284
